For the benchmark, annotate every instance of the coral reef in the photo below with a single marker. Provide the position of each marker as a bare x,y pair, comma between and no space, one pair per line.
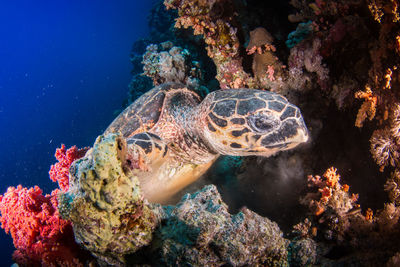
338,48
161,24
338,61
340,225
221,32
41,237
214,21
164,63
347,24
112,219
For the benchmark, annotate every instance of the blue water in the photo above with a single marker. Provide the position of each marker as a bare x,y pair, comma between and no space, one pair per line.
64,70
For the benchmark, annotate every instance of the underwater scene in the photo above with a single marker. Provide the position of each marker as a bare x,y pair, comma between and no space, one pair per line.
200,133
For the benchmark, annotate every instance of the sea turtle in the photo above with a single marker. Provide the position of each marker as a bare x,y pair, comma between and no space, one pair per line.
173,136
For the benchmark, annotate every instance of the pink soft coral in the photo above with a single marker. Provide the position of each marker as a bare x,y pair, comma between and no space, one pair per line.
59,172
41,237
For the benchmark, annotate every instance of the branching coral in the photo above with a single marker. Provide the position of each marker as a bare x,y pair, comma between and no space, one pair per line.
331,194
371,236
383,74
336,210
339,30
348,41
59,172
381,88
381,8
368,108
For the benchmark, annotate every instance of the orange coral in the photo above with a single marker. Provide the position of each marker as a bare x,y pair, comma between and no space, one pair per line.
345,187
388,78
332,178
331,194
368,108
326,193
303,228
260,49
369,214
380,8
397,44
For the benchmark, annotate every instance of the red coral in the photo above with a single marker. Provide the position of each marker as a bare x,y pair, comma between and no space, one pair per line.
40,236
59,172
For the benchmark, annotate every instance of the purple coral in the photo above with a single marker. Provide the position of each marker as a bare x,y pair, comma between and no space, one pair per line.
305,57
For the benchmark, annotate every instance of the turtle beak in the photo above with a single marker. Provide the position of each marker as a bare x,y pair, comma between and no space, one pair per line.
302,133
295,134
301,136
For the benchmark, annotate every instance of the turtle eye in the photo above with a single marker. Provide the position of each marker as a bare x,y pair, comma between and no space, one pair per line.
262,123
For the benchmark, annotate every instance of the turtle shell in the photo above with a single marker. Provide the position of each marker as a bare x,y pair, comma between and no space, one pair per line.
142,114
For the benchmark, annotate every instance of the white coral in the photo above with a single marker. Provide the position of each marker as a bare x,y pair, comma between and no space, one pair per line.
171,64
383,148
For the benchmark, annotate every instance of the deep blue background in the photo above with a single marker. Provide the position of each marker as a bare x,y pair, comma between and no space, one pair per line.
64,70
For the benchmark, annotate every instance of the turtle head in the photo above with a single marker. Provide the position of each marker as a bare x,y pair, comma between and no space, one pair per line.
245,122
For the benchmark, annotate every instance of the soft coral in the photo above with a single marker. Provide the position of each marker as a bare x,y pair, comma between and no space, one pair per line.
41,237
59,172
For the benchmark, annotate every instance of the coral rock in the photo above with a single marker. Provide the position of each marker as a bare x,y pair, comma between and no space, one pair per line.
104,203
200,231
